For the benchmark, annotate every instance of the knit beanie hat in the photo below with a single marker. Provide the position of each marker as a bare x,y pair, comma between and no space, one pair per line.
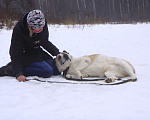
36,19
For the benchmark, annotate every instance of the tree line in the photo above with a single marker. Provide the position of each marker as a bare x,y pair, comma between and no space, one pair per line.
80,11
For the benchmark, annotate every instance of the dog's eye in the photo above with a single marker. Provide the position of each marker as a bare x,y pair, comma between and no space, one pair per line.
66,56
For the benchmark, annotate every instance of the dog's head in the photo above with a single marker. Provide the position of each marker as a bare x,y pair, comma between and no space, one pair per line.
63,61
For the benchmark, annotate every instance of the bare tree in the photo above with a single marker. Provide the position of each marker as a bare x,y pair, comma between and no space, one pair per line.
113,6
8,5
128,6
25,5
94,9
120,8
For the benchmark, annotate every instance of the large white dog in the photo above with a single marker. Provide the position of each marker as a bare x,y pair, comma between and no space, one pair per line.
96,65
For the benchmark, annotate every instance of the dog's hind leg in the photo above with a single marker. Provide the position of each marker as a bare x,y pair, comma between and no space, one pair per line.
128,70
132,75
111,76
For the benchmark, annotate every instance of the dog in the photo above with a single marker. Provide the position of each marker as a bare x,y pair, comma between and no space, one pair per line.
96,65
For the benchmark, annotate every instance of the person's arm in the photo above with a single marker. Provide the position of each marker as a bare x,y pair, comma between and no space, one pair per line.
16,48
46,44
52,49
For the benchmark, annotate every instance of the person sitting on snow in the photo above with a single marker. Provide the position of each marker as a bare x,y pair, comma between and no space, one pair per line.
27,57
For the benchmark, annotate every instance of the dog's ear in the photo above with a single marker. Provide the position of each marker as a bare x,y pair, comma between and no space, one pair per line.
64,51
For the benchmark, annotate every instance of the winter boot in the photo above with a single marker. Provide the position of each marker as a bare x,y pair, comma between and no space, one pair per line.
6,70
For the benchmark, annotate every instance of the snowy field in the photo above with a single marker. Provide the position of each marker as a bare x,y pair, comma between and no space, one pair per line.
34,100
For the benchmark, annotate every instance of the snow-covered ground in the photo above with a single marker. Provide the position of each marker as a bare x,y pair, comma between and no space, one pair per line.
44,101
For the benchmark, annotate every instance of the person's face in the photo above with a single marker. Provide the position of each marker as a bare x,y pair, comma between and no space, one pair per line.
37,29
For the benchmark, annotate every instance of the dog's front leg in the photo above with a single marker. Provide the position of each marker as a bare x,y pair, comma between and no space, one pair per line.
78,74
70,76
75,74
84,62
79,65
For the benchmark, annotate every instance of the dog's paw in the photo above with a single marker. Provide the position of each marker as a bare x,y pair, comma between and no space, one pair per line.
134,80
110,80
72,76
69,76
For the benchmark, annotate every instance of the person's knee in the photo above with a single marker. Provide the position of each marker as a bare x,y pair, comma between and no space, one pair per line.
47,73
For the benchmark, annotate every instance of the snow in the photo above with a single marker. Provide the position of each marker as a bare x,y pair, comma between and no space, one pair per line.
34,100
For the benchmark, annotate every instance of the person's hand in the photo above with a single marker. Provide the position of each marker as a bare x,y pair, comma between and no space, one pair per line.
21,78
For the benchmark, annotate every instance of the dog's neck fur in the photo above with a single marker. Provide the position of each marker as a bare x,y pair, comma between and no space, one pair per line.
67,69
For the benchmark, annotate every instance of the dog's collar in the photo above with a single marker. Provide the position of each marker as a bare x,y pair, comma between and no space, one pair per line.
65,71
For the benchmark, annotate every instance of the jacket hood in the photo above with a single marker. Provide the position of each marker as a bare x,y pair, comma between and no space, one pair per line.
23,22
